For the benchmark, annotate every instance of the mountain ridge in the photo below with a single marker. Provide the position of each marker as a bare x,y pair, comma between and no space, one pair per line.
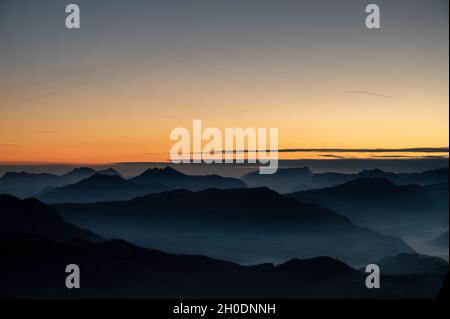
175,179
238,220
99,187
149,273
32,217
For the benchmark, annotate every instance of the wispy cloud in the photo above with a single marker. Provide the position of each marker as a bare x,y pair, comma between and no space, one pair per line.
333,156
370,150
352,150
411,156
393,156
371,93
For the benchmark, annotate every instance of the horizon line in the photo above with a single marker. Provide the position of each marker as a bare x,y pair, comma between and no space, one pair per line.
326,157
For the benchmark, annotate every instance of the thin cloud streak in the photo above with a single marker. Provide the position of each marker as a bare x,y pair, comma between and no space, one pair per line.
349,150
371,93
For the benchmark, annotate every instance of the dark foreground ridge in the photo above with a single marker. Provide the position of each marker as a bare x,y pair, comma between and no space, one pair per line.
32,217
33,267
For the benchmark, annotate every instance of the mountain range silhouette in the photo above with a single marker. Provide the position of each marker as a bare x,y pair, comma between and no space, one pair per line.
33,267
259,243
176,180
241,225
384,206
27,184
288,180
99,187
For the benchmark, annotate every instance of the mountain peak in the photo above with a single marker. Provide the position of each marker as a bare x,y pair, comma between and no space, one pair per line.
102,178
77,174
10,174
82,170
108,171
373,171
166,171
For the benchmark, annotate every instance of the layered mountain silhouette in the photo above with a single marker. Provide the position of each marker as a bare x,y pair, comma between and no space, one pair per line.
80,173
33,267
177,180
29,184
99,187
425,178
32,217
84,184
407,264
382,205
242,225
287,180
26,184
429,177
37,245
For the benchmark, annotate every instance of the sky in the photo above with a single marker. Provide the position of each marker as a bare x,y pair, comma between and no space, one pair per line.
113,90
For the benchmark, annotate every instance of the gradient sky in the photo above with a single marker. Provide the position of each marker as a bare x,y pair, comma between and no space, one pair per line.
113,90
